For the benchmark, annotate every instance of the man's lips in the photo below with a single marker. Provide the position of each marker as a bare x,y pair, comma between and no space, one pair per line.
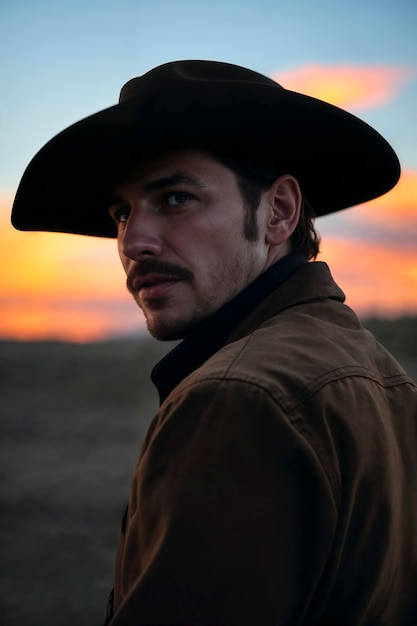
149,280
153,278
153,285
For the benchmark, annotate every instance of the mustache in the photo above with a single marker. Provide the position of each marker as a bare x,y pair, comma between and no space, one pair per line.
154,266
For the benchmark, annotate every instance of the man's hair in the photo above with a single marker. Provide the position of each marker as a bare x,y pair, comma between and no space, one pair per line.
253,181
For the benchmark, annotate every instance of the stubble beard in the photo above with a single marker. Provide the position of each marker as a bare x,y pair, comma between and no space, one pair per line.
170,330
233,279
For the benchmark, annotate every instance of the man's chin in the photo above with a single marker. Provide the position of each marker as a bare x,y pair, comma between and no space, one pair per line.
171,330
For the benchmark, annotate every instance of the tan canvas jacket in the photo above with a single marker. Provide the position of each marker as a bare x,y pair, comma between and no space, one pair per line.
277,484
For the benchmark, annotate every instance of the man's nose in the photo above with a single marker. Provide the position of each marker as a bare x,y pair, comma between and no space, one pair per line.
140,237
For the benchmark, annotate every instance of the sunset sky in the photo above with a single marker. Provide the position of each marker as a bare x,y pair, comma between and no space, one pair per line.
63,60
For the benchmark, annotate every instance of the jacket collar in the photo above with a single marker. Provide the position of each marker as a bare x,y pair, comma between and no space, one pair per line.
311,282
214,332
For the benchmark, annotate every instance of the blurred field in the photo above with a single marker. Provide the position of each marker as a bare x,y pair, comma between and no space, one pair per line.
72,421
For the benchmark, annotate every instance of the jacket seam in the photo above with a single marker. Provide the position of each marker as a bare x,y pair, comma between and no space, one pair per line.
317,384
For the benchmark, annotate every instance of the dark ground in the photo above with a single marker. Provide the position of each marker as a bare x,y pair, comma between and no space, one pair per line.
72,420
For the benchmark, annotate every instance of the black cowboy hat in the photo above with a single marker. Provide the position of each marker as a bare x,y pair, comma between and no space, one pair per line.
338,160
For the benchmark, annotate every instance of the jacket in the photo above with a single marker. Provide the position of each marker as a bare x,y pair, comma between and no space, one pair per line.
277,484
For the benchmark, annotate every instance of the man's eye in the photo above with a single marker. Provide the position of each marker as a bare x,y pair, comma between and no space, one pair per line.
121,215
177,198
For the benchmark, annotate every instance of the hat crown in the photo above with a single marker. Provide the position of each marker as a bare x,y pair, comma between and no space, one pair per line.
178,74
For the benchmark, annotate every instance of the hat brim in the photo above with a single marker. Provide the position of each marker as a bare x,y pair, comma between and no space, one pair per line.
339,160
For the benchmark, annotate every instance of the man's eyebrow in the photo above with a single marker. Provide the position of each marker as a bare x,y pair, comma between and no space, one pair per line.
172,180
161,183
114,199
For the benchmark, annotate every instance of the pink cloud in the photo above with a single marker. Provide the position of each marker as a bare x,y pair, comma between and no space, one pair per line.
348,86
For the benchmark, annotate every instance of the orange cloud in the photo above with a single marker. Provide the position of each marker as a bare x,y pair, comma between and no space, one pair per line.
392,218
375,255
348,86
50,318
376,281
65,265
61,286
397,205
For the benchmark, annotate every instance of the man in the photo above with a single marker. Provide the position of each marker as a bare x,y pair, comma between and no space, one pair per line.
277,484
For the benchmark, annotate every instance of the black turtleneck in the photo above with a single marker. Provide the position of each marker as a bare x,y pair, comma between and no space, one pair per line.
211,335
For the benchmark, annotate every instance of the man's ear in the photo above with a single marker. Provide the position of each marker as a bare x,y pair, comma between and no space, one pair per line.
284,199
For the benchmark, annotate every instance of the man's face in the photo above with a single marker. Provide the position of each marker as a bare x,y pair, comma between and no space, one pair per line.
181,240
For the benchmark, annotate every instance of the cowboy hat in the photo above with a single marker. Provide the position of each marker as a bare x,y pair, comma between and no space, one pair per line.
338,159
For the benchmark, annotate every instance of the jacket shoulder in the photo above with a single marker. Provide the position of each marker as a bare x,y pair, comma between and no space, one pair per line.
303,349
